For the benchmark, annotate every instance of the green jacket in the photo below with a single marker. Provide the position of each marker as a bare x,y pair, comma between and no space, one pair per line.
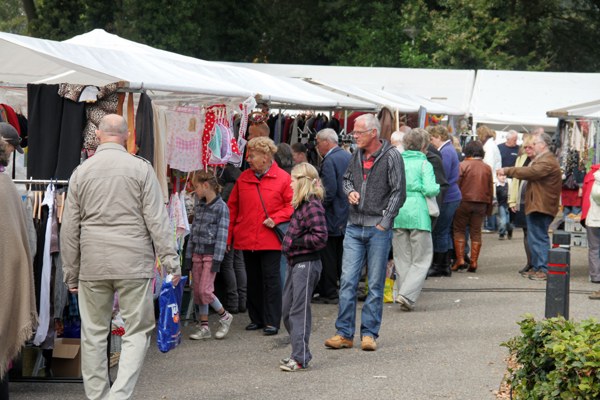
420,182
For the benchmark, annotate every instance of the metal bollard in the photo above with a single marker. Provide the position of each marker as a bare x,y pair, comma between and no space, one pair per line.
561,239
557,285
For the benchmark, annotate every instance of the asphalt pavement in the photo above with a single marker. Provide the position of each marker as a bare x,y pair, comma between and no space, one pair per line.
447,348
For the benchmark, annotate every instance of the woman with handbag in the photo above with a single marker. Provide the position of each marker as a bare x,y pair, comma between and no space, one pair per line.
477,188
412,243
260,200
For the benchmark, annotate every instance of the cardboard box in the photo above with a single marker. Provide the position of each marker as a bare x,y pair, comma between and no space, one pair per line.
66,358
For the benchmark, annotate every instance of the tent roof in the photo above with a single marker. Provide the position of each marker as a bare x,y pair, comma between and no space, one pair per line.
98,58
589,110
523,98
450,88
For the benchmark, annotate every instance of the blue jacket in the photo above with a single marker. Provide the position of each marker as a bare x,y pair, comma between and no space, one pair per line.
333,167
450,161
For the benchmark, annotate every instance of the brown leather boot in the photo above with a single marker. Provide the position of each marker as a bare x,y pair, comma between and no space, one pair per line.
475,249
459,249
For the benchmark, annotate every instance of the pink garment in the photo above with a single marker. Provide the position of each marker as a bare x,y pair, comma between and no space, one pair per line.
184,143
203,280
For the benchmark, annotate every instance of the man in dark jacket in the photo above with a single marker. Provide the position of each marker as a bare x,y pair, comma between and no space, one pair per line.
334,165
376,188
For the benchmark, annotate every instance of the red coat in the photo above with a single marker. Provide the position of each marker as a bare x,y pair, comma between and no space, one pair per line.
246,229
588,182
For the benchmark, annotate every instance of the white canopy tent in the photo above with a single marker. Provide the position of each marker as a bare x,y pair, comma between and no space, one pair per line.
521,99
98,58
589,110
450,88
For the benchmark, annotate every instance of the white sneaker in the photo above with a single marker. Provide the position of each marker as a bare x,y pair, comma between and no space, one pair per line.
224,324
201,334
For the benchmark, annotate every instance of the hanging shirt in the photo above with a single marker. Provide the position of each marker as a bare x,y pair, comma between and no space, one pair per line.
44,314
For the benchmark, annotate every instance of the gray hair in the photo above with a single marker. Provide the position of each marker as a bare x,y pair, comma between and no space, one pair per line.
370,121
545,138
416,139
4,154
328,134
397,137
113,125
512,133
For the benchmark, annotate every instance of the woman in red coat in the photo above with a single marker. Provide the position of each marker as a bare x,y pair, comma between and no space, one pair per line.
263,186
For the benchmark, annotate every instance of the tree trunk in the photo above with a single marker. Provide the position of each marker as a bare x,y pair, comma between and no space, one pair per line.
30,10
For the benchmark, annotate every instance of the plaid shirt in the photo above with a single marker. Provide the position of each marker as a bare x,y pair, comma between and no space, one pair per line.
209,231
306,234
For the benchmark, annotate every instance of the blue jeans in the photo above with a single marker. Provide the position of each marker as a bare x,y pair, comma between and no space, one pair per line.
538,239
489,224
441,234
504,224
363,243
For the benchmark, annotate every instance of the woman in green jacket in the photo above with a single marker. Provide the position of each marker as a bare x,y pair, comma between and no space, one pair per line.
412,244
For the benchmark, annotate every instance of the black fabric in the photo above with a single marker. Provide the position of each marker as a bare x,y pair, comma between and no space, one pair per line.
144,128
38,261
55,133
264,286
331,260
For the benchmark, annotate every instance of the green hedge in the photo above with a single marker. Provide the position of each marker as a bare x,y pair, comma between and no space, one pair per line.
558,359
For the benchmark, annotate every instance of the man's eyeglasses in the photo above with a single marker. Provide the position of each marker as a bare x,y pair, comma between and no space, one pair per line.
357,133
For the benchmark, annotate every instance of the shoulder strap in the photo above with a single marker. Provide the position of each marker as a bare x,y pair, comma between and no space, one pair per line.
262,202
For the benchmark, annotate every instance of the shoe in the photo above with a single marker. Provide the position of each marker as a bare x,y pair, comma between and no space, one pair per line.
253,326
293,366
523,271
509,234
339,342
527,274
270,331
224,324
368,344
459,248
233,310
486,231
242,309
285,360
201,334
405,304
324,300
501,237
538,276
595,295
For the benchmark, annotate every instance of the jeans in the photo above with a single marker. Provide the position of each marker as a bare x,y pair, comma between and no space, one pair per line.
504,224
490,223
538,239
363,243
442,239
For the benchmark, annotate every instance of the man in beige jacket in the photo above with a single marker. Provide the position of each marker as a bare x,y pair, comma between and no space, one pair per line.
113,217
542,197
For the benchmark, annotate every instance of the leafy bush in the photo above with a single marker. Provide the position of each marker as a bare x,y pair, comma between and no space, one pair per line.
558,359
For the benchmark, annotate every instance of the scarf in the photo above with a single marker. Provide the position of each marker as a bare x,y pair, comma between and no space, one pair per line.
18,316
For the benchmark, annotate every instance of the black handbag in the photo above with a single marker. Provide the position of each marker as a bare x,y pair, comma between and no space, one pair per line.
279,229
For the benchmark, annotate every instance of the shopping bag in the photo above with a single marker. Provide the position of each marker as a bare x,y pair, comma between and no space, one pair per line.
169,301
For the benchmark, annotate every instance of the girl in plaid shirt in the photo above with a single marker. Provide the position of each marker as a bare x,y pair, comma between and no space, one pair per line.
306,235
206,247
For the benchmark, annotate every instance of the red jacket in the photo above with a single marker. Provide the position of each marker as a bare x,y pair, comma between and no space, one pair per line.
246,229
588,182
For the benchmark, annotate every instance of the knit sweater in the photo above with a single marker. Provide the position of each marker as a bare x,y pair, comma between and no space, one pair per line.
382,189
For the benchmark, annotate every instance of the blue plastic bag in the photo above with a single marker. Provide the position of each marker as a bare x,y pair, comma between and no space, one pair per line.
169,301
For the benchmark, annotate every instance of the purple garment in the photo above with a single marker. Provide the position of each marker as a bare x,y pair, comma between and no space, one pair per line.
307,232
450,162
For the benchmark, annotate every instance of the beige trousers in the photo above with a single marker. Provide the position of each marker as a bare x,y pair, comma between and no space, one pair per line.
95,305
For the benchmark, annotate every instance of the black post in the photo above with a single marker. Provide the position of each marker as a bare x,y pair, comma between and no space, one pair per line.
557,285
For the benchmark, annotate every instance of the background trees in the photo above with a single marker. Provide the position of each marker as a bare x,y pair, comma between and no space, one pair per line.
545,35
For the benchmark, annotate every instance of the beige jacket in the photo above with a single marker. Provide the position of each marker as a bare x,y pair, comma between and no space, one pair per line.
113,216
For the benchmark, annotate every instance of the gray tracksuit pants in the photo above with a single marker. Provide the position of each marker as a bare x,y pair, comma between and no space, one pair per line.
301,281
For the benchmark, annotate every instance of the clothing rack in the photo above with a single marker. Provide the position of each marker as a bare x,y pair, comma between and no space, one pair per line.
40,182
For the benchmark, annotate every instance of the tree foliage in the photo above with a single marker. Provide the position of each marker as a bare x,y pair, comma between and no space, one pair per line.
545,35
